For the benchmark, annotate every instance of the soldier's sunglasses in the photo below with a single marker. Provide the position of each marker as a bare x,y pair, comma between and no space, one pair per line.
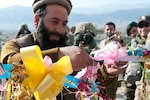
143,24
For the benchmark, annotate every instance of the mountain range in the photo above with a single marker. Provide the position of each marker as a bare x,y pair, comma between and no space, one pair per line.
12,17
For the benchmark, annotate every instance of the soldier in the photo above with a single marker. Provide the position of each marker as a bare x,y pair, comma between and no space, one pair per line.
23,30
133,71
142,41
111,35
84,36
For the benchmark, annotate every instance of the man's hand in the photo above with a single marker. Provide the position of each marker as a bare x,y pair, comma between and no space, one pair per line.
79,57
117,35
114,71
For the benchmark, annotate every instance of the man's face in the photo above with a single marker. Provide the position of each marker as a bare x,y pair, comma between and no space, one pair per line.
109,29
143,29
133,32
52,29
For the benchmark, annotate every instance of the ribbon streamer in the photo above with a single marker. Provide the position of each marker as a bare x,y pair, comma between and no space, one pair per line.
46,82
6,72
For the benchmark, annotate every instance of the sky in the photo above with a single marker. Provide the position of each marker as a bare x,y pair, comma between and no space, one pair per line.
76,3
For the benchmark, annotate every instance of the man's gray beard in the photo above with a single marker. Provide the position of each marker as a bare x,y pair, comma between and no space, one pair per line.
42,36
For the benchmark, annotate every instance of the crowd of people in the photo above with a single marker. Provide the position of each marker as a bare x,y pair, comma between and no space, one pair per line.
56,40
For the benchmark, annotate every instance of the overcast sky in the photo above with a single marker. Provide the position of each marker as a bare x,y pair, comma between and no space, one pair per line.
76,3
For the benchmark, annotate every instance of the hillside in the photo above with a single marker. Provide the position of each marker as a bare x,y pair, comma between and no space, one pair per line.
11,17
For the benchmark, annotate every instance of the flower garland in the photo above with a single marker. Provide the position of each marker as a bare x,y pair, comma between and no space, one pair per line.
91,84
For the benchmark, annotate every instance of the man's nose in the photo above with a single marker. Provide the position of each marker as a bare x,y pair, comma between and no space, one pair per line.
59,28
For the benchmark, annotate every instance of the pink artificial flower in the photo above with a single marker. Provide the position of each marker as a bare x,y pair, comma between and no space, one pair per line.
110,53
47,61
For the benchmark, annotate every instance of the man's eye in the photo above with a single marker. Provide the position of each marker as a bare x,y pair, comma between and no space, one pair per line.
55,22
65,24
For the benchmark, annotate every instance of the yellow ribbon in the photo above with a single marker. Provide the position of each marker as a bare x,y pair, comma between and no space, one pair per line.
45,83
